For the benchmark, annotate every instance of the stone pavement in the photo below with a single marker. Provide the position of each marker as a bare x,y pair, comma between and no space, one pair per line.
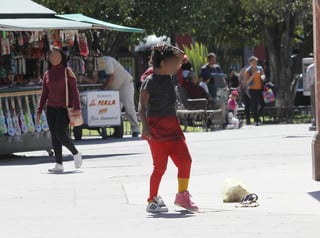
107,196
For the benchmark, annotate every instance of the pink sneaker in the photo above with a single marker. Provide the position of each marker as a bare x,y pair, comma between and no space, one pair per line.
184,200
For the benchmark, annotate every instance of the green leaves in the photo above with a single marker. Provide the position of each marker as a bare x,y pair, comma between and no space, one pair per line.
197,56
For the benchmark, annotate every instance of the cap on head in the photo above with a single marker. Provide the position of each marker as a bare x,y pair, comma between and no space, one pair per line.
211,54
235,93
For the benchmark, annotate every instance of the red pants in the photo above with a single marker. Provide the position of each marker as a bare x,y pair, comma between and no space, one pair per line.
161,150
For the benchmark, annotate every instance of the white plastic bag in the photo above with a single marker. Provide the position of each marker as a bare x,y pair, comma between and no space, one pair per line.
233,190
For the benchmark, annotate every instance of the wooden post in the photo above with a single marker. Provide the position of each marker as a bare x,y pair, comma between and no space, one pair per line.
316,43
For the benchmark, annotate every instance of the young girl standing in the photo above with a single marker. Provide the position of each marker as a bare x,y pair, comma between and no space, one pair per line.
161,127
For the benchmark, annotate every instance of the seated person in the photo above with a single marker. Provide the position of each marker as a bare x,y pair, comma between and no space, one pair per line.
192,88
204,84
184,70
233,121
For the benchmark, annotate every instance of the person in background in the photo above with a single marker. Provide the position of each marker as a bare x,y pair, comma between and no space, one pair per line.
192,88
232,110
233,82
161,127
255,77
204,84
146,73
208,70
310,83
120,80
184,70
245,95
54,96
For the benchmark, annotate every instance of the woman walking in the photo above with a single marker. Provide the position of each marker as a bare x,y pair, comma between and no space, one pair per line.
54,97
161,127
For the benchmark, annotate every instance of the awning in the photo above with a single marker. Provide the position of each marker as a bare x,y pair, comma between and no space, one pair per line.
100,24
35,24
24,9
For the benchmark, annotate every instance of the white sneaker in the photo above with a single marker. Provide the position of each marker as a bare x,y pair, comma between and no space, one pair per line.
77,160
157,206
58,168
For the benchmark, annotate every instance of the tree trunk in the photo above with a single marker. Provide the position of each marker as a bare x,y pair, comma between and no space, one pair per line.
279,45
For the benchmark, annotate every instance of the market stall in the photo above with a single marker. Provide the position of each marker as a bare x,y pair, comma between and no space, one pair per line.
27,33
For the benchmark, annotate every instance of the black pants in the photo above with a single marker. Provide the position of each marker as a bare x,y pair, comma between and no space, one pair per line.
58,121
246,101
257,104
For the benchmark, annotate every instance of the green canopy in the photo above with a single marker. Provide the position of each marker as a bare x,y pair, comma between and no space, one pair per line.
36,24
100,24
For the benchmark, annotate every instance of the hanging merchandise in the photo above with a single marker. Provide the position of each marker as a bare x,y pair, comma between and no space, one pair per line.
21,116
77,64
83,44
13,64
15,120
44,45
21,65
5,44
67,37
75,50
3,126
43,65
56,41
11,129
90,63
28,116
37,125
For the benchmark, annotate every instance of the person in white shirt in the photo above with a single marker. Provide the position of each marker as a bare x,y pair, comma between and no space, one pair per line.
204,85
310,75
310,83
121,80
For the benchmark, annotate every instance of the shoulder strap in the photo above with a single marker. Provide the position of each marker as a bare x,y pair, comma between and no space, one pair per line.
67,88
250,71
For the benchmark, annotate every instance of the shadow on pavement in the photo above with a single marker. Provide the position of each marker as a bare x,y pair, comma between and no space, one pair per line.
66,172
175,215
315,195
13,160
97,141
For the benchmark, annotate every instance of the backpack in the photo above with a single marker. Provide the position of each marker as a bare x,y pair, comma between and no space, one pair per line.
259,68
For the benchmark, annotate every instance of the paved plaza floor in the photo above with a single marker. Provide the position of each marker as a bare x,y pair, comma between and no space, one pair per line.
107,197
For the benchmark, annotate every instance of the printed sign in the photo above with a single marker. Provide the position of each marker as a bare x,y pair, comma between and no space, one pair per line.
101,108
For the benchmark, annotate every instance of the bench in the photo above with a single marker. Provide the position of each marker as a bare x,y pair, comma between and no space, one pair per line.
276,114
194,112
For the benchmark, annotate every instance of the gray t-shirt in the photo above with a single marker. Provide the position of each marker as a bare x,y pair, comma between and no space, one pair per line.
162,95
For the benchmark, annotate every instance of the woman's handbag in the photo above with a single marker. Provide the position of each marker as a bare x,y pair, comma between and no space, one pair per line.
75,116
268,95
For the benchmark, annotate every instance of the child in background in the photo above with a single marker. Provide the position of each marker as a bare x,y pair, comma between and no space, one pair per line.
161,127
204,84
233,121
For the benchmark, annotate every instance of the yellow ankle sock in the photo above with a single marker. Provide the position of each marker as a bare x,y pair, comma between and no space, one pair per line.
183,184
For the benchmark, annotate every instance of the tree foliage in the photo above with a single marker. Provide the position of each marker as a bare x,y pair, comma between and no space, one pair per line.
283,26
